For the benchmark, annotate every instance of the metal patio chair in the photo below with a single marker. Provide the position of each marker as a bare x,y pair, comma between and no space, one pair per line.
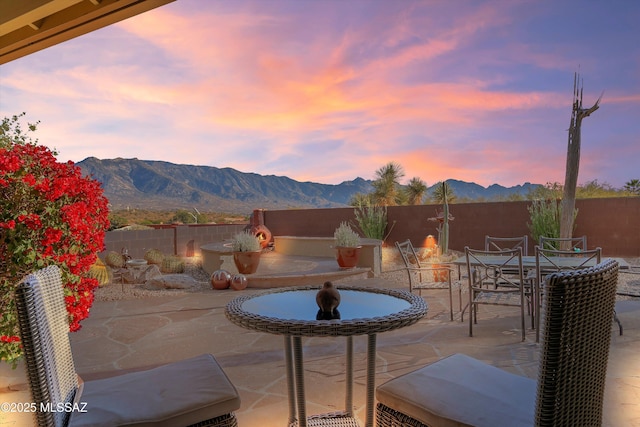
501,243
571,243
502,268
424,277
462,391
195,391
492,243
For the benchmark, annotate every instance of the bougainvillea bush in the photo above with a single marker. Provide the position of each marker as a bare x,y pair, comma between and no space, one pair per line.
49,214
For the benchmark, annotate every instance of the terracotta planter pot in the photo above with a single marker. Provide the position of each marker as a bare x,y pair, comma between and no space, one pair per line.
348,257
247,262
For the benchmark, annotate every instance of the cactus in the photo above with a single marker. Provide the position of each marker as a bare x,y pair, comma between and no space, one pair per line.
115,259
100,272
444,238
154,256
172,264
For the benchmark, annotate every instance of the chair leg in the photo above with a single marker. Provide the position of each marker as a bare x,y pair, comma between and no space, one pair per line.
450,301
615,318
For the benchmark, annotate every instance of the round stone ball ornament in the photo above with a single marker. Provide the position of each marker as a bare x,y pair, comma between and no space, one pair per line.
220,279
238,282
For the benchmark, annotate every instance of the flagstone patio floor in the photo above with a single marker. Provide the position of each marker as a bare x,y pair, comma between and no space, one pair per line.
138,333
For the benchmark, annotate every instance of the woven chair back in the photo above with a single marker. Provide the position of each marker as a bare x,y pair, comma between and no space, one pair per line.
579,307
44,329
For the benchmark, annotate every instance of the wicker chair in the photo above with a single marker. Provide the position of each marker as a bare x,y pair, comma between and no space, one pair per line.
423,277
195,391
462,391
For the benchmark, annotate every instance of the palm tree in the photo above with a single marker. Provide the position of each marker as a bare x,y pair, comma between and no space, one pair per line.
415,191
386,186
441,191
633,187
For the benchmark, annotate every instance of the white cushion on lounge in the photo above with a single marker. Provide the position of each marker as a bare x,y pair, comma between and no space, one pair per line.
196,389
484,395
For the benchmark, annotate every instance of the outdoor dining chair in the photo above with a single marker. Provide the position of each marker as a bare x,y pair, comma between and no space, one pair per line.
194,391
576,244
462,391
492,243
549,261
498,267
428,277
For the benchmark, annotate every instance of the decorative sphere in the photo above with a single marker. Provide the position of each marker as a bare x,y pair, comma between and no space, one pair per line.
238,282
220,279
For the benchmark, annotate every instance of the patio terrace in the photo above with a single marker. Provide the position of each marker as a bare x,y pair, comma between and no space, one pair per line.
134,334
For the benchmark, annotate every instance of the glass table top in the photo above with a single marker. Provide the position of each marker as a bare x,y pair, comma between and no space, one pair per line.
362,310
301,305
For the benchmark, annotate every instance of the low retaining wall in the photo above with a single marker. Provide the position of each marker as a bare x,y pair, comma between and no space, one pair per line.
370,256
321,247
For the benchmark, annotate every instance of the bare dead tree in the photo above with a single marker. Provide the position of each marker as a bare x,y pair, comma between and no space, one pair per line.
573,158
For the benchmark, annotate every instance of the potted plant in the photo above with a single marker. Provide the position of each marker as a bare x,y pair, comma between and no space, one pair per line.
347,246
246,252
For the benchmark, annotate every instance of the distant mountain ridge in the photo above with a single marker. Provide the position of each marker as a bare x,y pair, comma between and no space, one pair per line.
157,185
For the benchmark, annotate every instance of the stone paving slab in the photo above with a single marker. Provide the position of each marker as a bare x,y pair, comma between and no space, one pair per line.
134,334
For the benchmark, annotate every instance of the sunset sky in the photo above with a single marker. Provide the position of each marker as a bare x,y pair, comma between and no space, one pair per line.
330,90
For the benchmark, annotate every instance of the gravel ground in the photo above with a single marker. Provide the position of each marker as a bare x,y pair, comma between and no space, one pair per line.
390,261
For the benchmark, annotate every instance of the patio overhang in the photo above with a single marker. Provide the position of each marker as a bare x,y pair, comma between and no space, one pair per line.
27,26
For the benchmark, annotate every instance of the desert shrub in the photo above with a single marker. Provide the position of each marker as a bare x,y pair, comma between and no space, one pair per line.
372,220
545,219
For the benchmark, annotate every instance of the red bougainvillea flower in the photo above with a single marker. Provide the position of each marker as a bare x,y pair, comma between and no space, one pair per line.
49,214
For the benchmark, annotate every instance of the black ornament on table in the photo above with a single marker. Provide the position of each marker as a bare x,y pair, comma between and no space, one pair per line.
328,299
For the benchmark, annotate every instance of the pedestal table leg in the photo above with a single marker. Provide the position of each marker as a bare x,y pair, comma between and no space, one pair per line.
371,378
290,378
349,396
299,374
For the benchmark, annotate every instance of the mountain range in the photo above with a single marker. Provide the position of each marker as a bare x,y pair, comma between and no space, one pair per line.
157,185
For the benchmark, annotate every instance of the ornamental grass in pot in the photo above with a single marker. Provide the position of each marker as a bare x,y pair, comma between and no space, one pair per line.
347,246
246,252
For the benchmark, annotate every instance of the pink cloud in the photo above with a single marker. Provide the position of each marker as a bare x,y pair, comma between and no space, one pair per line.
322,94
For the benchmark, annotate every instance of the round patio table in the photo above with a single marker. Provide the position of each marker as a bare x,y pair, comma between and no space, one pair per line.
293,312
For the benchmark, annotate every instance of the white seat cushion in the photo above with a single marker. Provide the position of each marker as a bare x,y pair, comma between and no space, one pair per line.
177,394
462,391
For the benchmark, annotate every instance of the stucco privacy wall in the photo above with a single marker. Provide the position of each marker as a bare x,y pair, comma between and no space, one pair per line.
183,240
613,224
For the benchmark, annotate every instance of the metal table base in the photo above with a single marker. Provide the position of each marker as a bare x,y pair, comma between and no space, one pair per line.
298,417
